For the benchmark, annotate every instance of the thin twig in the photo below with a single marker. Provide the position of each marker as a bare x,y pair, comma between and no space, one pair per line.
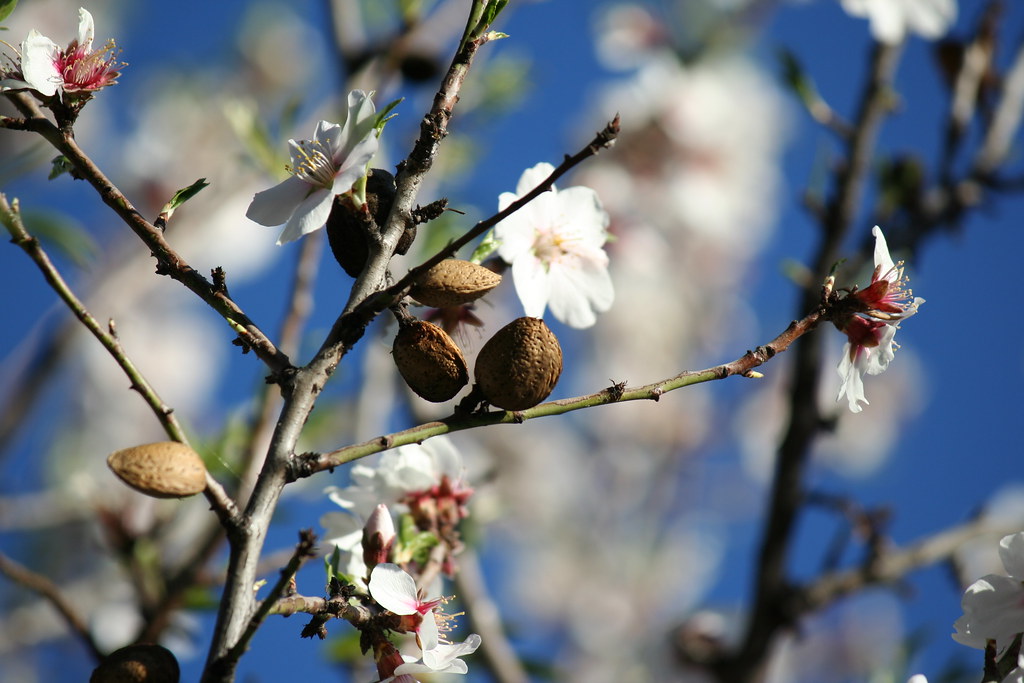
307,464
894,564
169,262
51,592
485,620
772,605
11,218
305,549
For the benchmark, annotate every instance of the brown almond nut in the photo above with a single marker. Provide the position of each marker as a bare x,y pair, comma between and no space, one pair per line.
454,282
429,361
166,469
519,366
141,663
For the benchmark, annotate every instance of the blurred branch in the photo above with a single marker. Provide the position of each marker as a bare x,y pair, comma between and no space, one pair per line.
307,464
485,620
1006,120
25,388
11,218
47,589
772,606
894,564
168,261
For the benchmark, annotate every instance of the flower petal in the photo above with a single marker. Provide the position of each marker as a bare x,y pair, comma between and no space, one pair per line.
309,216
882,257
86,28
38,63
353,166
427,632
853,384
274,206
580,289
1011,552
532,284
393,589
445,657
342,529
532,177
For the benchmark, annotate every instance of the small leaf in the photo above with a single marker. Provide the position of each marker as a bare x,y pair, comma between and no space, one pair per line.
59,166
62,234
6,7
489,245
182,196
794,75
493,10
185,194
413,544
383,118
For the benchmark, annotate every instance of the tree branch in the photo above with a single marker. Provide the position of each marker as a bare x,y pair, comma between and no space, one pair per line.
307,464
169,262
49,590
11,218
772,604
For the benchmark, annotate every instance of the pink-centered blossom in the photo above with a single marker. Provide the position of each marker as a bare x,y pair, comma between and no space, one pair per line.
77,69
870,329
406,478
556,247
395,590
424,480
320,168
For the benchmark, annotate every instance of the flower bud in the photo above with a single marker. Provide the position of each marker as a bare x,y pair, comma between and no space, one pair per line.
378,537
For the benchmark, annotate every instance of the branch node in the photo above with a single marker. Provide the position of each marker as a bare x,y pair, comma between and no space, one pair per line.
616,390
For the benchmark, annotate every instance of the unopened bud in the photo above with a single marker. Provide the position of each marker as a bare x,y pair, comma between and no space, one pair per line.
378,537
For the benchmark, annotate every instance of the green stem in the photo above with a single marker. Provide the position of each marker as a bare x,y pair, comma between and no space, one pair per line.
307,464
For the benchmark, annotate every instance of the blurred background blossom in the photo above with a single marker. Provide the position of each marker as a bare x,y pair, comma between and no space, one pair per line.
604,535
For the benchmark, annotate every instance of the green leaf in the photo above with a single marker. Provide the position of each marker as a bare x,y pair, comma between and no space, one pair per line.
253,133
6,7
794,75
383,118
489,245
59,166
493,10
413,544
182,196
59,233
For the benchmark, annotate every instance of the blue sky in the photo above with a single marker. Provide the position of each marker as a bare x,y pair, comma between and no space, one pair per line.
960,449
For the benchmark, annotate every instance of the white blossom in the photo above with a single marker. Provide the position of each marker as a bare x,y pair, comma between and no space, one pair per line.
555,245
994,604
891,20
320,168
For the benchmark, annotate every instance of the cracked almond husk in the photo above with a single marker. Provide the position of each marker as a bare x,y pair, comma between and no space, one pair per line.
454,282
165,469
519,366
429,361
140,663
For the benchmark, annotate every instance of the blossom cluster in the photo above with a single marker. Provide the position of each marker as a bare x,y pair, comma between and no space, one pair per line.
426,485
